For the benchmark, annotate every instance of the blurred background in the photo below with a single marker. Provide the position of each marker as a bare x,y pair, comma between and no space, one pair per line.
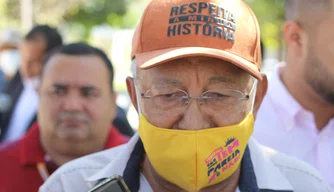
109,25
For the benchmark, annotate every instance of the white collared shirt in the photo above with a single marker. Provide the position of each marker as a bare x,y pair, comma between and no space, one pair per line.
274,171
284,125
23,113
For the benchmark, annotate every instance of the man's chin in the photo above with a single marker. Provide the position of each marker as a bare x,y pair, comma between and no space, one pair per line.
72,135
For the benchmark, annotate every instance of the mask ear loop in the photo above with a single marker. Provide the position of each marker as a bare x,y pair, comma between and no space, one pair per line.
253,92
137,98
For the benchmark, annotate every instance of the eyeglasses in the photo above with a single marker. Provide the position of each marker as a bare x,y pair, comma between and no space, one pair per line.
172,102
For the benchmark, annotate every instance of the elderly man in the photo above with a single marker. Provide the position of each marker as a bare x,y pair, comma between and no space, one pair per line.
197,89
297,114
76,106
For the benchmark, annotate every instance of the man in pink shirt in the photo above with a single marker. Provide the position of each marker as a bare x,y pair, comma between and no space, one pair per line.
296,116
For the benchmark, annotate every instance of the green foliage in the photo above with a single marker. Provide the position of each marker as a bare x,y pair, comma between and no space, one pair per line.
12,9
270,14
83,15
90,13
9,16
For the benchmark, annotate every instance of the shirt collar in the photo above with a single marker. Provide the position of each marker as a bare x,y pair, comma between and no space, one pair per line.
331,124
118,165
328,131
31,83
115,138
268,176
282,100
32,151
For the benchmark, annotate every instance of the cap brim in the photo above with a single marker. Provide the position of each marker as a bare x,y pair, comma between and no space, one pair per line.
151,59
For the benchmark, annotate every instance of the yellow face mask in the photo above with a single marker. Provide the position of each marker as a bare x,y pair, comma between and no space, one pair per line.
196,159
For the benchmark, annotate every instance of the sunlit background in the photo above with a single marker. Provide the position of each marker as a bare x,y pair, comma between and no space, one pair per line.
109,25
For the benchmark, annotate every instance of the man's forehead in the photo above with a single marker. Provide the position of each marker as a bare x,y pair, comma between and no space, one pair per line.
74,63
75,70
36,43
60,84
32,50
306,9
73,83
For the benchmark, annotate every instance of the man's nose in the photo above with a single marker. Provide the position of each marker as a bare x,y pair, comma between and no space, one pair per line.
194,117
73,102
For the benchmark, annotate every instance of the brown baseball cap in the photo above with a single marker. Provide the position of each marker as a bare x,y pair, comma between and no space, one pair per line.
223,29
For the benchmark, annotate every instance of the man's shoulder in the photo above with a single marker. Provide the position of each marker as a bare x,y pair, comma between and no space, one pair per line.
301,175
10,162
96,160
80,169
10,150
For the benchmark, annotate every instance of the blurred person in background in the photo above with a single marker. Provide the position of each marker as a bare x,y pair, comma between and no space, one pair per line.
297,114
9,55
122,123
22,88
16,119
76,105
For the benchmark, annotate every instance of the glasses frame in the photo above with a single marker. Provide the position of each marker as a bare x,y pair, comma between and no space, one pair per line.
245,97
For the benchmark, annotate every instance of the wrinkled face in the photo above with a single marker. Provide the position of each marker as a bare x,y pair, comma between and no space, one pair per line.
76,104
32,54
319,62
194,76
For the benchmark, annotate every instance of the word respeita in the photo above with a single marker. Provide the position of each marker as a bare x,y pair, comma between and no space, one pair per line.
202,18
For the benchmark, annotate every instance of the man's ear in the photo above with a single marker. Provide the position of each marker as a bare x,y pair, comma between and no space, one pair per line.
261,90
293,34
130,84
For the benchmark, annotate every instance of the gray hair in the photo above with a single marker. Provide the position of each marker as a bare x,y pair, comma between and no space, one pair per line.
134,69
